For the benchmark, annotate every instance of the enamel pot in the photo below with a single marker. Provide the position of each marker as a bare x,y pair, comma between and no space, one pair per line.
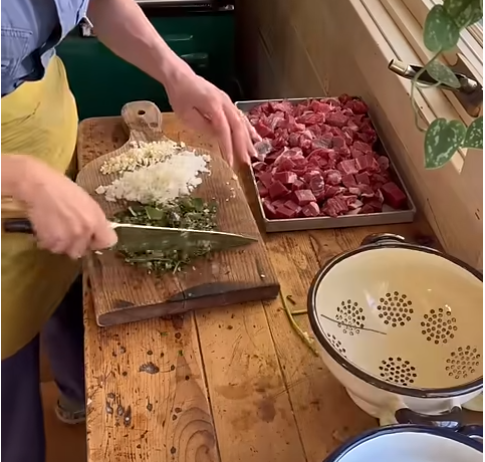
401,328
404,443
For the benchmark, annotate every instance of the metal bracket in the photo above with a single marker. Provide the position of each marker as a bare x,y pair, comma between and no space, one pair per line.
470,93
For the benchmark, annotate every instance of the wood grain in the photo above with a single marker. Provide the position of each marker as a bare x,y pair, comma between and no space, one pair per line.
146,394
125,293
271,399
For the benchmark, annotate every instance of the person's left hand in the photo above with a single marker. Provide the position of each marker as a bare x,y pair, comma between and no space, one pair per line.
205,108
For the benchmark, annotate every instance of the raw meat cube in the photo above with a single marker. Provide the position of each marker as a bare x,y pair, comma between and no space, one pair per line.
335,206
298,184
269,209
357,106
365,163
285,213
362,178
337,119
263,191
348,167
292,206
266,179
284,164
363,147
331,191
277,189
383,162
316,183
259,166
333,177
311,210
349,181
304,197
263,130
279,203
366,190
287,178
394,196
263,148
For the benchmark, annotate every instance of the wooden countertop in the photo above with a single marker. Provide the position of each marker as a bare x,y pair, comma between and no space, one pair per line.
233,384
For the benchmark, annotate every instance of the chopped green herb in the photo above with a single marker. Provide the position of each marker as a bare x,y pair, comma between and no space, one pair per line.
186,212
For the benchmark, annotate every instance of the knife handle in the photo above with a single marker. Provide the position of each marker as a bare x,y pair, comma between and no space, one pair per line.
18,225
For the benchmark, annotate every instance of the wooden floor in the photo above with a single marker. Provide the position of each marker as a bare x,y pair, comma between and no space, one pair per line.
64,442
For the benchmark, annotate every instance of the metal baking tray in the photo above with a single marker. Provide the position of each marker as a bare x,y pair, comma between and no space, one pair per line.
387,217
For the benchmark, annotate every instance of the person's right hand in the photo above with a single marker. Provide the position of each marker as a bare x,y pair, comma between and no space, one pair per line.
66,219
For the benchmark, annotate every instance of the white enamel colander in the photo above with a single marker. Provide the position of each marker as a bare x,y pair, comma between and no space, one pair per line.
401,328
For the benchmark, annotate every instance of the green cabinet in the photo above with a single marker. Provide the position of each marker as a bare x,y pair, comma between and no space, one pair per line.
102,83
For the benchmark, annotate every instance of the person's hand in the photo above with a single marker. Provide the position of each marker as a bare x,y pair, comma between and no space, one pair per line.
65,218
205,108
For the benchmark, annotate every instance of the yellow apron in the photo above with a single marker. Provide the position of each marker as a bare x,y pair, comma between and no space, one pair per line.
38,119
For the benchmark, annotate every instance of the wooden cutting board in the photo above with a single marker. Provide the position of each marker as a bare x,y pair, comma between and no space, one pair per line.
123,293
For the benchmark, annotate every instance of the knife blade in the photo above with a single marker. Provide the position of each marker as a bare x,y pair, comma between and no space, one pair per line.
140,238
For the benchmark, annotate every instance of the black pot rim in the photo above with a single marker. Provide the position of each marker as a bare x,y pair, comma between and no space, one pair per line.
370,379
354,443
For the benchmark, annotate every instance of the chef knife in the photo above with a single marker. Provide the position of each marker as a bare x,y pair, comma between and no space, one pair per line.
139,238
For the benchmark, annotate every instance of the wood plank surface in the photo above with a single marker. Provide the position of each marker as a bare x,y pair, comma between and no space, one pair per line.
243,386
125,293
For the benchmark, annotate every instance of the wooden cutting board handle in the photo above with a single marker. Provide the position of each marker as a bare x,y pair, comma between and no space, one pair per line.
143,120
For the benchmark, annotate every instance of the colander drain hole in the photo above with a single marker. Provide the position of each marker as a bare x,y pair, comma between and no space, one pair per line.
337,344
350,317
439,326
395,309
397,371
463,362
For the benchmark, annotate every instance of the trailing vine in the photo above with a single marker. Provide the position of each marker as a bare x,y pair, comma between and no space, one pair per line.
442,30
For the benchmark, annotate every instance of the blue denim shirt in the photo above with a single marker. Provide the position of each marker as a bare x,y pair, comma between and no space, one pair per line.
30,31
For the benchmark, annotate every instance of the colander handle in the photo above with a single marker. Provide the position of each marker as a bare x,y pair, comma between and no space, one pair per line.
450,419
383,238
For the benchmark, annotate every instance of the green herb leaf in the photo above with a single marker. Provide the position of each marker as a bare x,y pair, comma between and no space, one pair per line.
154,214
440,31
474,135
442,140
187,212
442,74
462,11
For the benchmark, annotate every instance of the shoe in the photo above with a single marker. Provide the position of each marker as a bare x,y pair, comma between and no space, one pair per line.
69,412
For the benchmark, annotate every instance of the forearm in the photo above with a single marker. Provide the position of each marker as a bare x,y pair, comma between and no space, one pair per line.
123,27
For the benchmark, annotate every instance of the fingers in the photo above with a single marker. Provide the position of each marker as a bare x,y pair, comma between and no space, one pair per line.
104,238
255,137
223,129
240,135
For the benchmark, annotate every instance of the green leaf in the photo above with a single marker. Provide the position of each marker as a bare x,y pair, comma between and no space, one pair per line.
442,140
442,74
462,11
477,13
474,135
440,31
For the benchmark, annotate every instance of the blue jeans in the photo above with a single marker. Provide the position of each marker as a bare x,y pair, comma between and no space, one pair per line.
23,437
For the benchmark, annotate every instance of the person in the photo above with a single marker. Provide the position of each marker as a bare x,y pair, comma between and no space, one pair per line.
40,276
